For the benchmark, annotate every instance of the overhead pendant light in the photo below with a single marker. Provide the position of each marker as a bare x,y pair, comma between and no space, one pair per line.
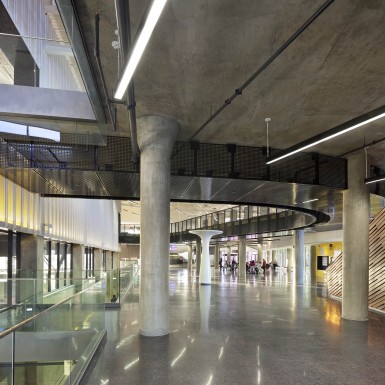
144,36
332,133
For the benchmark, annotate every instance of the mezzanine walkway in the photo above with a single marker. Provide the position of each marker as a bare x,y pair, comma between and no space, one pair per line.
263,330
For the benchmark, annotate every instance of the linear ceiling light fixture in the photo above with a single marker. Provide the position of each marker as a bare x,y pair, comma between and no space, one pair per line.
375,179
329,134
311,200
139,46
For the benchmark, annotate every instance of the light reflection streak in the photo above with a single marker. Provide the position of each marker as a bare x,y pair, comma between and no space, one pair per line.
258,377
104,382
128,366
124,340
210,380
227,339
177,358
220,353
134,323
258,361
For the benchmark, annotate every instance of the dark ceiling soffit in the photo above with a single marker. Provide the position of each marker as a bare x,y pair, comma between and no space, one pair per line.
330,132
77,40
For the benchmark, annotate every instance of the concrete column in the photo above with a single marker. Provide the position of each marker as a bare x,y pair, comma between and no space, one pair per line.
260,253
228,255
198,256
299,256
204,304
242,256
156,137
189,257
31,266
108,260
355,262
78,268
97,263
216,256
289,260
313,264
205,266
268,256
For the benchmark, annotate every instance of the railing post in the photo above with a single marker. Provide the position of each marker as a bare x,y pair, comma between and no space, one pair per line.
13,358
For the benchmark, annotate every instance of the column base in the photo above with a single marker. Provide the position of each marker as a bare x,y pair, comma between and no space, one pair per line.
159,333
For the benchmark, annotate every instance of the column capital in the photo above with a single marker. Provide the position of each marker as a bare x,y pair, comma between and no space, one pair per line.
157,132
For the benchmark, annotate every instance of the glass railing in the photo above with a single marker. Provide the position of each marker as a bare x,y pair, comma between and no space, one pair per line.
38,287
55,345
119,281
243,219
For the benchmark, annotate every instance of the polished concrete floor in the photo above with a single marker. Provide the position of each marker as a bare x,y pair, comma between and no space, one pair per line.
261,330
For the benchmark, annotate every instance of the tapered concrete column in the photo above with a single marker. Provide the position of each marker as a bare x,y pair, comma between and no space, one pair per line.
242,256
205,267
156,137
198,256
289,252
189,257
355,262
299,256
216,256
204,304
313,264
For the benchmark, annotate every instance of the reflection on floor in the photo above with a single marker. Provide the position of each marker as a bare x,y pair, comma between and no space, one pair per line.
261,330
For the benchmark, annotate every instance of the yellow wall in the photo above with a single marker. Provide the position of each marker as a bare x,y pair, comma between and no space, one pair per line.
328,249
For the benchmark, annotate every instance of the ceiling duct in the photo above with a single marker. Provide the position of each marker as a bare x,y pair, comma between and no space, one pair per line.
123,22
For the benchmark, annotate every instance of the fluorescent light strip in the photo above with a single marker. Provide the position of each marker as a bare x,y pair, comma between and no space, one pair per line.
327,138
311,200
144,37
379,179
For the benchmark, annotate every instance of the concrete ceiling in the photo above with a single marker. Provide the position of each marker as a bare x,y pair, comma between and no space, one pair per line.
202,50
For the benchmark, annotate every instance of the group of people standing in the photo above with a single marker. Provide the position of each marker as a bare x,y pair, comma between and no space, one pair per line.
252,267
231,265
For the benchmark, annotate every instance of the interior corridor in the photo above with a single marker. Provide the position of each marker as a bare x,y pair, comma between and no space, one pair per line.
263,330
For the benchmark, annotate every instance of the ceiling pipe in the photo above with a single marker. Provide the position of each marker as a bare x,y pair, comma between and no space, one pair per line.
122,9
266,64
100,69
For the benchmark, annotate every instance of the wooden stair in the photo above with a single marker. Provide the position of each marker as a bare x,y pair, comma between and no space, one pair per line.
376,266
